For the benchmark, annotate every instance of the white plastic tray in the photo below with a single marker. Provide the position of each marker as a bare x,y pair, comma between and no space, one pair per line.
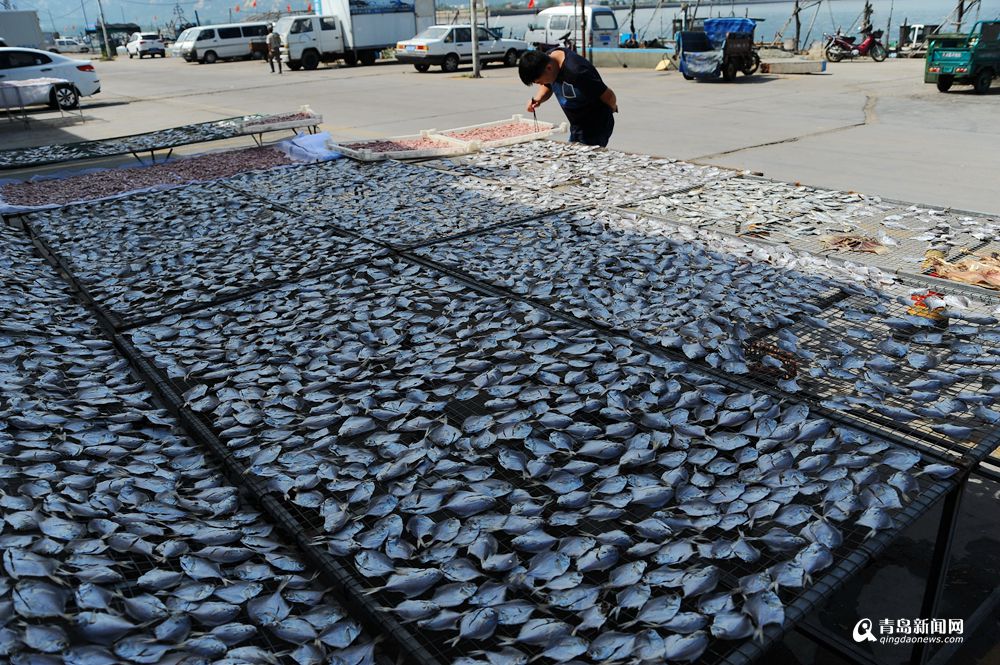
545,130
456,147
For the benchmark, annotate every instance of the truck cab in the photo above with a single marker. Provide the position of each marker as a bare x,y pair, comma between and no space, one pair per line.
354,33
308,40
966,59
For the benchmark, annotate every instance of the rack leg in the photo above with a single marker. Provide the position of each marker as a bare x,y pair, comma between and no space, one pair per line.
938,574
847,650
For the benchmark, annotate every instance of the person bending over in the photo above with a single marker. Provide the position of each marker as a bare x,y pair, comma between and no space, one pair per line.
587,102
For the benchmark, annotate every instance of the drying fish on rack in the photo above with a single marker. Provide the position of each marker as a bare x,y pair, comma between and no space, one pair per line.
853,243
478,463
206,244
158,140
123,543
585,173
752,206
113,182
979,270
806,324
398,203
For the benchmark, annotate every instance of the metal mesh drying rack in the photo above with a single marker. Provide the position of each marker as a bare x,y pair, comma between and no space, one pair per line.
949,492
146,142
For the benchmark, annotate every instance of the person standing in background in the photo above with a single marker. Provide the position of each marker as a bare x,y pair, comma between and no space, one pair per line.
273,48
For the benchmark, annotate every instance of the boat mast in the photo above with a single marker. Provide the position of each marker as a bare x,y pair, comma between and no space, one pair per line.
798,27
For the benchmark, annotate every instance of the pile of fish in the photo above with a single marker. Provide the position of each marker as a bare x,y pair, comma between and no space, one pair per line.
115,182
31,299
853,243
819,220
398,203
856,342
586,174
517,487
497,132
508,481
752,206
150,254
120,542
399,144
942,229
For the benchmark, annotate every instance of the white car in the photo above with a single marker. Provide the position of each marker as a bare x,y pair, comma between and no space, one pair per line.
18,64
69,46
449,45
145,43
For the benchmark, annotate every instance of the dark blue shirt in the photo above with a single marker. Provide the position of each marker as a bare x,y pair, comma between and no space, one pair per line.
579,87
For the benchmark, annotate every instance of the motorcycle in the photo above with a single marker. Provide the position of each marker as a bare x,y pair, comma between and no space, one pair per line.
840,46
565,42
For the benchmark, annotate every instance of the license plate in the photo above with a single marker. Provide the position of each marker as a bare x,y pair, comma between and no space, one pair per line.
411,47
952,54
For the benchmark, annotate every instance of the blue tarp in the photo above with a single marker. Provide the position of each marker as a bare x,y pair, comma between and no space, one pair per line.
717,28
704,64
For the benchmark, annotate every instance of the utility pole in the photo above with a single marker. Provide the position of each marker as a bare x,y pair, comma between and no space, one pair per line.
960,16
866,24
85,21
583,28
104,30
475,40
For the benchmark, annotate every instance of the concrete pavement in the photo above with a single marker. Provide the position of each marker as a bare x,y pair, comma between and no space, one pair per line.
863,126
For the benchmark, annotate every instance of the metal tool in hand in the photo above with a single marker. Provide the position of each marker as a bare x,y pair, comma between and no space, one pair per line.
535,116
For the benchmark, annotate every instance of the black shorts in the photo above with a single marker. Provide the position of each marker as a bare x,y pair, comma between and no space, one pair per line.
597,132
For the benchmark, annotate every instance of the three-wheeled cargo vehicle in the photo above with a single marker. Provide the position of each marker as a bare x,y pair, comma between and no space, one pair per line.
725,47
967,59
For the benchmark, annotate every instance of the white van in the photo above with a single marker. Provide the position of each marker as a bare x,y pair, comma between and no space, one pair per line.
68,46
551,24
210,43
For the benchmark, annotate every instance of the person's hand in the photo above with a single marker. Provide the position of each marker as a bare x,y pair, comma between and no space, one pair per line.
533,104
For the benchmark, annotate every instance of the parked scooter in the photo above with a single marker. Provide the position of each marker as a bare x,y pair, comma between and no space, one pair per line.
566,43
840,46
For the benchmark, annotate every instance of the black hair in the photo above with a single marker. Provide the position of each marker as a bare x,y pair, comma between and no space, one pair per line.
532,65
